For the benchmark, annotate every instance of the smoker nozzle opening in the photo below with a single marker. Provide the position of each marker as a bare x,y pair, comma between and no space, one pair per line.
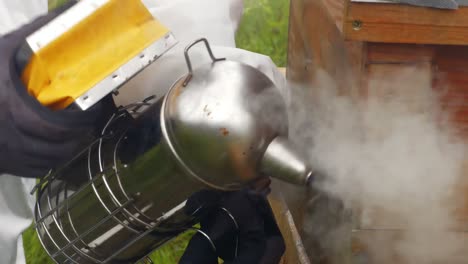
283,160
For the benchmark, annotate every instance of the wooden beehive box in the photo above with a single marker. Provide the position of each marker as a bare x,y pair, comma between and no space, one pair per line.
356,42
395,36
367,39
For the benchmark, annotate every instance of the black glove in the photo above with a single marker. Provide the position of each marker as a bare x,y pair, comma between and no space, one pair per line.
257,238
33,138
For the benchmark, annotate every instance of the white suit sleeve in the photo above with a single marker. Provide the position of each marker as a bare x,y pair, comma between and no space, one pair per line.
14,13
216,20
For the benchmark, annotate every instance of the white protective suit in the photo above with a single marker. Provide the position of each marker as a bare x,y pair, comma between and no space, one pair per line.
217,20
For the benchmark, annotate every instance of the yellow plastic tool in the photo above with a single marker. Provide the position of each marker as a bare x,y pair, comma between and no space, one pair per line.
90,50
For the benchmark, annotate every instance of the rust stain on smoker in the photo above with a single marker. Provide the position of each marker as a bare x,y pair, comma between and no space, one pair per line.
224,131
177,92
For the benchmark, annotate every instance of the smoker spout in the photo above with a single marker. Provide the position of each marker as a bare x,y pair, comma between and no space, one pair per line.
283,161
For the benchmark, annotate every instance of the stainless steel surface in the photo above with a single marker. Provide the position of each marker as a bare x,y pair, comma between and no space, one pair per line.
189,62
124,73
282,161
130,191
115,215
219,124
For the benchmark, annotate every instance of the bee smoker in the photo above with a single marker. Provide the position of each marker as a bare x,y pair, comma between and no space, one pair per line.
220,127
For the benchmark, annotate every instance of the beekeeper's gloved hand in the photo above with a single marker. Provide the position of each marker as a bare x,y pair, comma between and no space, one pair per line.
34,139
259,239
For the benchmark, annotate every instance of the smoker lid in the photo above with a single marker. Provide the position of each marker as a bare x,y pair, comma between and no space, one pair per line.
219,124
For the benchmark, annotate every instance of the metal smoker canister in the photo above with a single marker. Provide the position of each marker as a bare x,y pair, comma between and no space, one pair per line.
218,128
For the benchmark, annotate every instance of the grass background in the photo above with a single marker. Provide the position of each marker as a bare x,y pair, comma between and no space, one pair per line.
263,29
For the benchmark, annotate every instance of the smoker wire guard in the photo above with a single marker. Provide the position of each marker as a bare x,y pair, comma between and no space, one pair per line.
137,222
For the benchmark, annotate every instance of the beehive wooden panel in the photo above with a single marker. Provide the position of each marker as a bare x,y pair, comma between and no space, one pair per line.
295,252
316,42
385,242
392,23
448,67
336,9
391,53
371,40
398,37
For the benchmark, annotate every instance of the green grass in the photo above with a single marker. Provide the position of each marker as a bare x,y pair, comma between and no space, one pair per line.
33,249
169,253
264,29
55,3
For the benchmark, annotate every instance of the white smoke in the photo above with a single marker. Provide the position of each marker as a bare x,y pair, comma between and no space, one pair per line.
394,162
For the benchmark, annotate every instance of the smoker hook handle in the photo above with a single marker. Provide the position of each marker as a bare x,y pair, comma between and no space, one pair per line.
189,63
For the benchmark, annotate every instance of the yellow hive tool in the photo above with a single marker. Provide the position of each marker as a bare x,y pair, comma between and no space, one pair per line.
90,50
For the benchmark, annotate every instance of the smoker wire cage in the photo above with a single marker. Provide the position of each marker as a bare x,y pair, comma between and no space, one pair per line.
105,217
